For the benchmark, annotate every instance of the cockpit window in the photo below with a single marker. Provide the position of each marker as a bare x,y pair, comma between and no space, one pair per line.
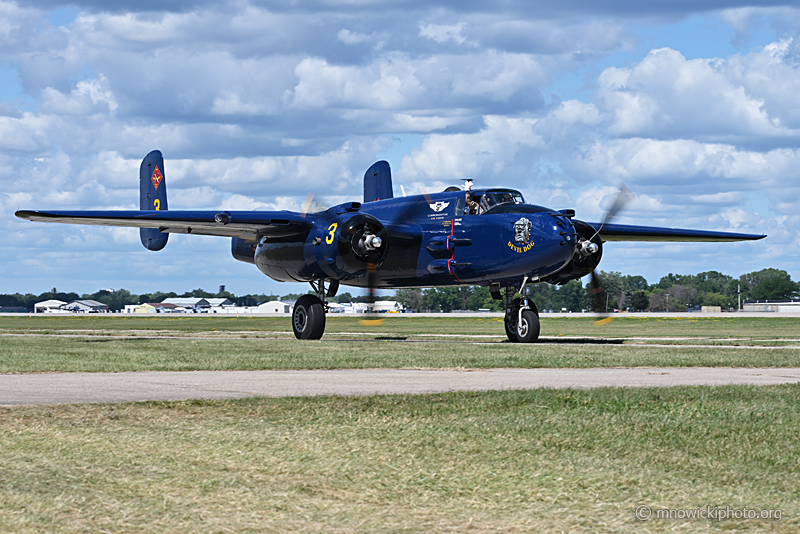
490,199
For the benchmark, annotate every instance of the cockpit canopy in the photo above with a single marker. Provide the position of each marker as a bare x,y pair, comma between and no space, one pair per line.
496,197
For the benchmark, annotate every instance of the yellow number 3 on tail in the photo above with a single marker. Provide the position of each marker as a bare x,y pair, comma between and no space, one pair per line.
332,228
157,204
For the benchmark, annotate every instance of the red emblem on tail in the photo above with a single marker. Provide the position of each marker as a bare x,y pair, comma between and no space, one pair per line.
157,177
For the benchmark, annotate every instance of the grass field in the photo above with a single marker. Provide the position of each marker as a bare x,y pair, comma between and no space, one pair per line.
621,327
97,343
511,461
536,461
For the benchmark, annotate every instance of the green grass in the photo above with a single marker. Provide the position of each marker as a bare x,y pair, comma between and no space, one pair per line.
92,354
98,343
622,326
515,461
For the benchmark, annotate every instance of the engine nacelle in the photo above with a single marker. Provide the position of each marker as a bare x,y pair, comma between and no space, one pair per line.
585,259
346,246
243,250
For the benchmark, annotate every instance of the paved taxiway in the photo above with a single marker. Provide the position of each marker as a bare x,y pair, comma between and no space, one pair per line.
65,388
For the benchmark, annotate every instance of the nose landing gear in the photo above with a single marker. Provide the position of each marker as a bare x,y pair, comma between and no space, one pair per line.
522,317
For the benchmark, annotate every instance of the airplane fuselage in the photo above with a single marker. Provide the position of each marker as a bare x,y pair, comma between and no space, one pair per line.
436,242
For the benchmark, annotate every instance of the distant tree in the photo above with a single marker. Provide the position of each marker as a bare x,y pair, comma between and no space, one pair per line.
768,284
681,295
716,299
640,301
774,289
715,282
675,279
444,299
635,283
570,297
658,300
412,299
613,292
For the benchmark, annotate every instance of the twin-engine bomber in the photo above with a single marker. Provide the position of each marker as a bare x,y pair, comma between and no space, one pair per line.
463,235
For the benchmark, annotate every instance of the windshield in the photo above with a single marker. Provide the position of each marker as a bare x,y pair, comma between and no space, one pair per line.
491,199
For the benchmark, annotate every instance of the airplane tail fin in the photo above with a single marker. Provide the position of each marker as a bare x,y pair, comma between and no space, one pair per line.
378,182
152,196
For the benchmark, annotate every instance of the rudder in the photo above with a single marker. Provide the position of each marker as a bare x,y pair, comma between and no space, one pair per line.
152,196
378,182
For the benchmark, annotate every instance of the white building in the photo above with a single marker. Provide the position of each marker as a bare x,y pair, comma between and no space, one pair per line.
86,306
277,306
49,306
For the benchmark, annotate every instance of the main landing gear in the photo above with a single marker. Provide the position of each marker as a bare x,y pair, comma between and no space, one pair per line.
522,317
308,316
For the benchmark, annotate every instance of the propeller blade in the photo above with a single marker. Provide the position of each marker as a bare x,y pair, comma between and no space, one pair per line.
598,302
624,196
373,277
372,318
306,205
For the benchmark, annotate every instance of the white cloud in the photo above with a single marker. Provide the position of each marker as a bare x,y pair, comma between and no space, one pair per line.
442,33
666,95
87,97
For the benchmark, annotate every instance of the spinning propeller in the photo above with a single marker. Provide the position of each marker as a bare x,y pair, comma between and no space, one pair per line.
624,196
373,276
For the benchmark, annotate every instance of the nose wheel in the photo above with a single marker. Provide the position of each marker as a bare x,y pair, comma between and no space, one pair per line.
522,318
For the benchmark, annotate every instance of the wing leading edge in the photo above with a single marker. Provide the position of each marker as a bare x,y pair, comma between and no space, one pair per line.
249,225
624,232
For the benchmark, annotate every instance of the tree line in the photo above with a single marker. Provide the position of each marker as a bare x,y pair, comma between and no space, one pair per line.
674,292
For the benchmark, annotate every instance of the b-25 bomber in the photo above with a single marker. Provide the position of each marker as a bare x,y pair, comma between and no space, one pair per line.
463,235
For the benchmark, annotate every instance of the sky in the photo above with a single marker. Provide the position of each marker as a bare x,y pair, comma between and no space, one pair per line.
694,106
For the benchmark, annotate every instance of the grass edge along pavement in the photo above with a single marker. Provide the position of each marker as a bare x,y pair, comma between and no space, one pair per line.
34,353
516,461
690,325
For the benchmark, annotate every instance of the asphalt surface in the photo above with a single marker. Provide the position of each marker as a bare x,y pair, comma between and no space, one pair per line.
68,388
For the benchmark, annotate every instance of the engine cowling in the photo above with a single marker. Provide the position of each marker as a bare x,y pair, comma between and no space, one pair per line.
585,259
362,241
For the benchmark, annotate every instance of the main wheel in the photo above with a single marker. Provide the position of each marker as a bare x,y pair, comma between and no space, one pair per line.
308,318
511,327
510,320
528,329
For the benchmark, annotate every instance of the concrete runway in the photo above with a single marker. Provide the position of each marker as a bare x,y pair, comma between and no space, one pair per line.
67,388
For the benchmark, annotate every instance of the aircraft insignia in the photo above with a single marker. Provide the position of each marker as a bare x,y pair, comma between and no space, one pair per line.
439,206
157,177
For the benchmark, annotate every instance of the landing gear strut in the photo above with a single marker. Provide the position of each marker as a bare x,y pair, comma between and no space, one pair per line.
308,316
522,317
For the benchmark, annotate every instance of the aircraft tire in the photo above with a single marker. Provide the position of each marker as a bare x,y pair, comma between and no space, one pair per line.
530,327
510,321
511,329
308,318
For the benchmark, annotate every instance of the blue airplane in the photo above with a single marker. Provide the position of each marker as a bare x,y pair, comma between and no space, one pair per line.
488,237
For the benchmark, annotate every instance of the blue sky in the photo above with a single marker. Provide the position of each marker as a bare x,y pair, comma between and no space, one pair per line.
693,106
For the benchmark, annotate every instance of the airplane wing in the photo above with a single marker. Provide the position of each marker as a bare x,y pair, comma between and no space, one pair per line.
624,232
249,225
